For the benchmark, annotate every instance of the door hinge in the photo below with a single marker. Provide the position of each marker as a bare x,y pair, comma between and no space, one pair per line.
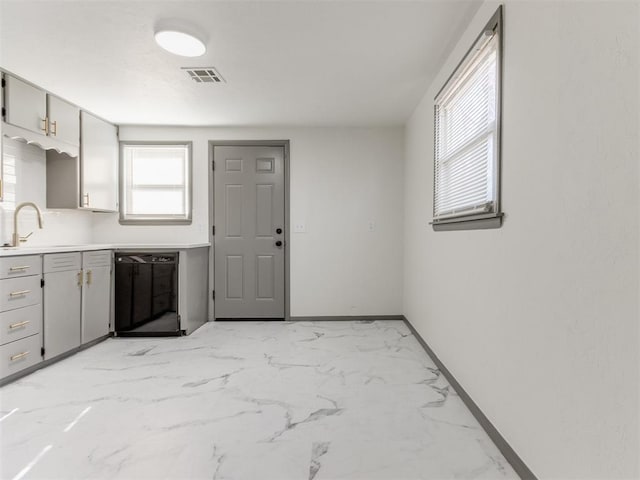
213,164
213,230
42,351
4,112
42,283
4,83
213,294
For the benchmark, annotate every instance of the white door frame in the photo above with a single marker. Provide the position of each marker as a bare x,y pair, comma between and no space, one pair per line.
287,243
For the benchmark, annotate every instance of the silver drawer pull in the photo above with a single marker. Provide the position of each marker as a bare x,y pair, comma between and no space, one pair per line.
19,324
19,293
18,356
19,268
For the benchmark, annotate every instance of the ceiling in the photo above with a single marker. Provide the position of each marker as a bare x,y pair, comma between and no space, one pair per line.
307,63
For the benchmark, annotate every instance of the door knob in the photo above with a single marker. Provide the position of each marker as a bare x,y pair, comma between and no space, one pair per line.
278,243
278,231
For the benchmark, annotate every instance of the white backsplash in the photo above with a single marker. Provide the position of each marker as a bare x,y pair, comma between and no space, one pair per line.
24,178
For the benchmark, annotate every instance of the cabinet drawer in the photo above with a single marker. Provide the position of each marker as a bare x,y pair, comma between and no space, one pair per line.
100,258
20,266
20,292
21,354
20,323
61,262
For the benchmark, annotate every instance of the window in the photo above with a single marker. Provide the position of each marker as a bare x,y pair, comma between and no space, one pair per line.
155,183
467,139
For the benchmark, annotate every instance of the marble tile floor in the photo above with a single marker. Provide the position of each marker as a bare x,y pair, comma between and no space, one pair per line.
246,400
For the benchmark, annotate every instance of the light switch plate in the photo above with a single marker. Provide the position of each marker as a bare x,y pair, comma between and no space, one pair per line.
299,227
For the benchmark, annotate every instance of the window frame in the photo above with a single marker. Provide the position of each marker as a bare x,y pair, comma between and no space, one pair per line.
159,219
480,219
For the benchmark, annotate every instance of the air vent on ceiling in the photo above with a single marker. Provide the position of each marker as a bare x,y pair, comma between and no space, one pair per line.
204,75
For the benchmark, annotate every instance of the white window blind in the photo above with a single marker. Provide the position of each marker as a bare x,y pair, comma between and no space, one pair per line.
156,182
466,136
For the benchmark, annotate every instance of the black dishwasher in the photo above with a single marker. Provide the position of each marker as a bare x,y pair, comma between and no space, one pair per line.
146,298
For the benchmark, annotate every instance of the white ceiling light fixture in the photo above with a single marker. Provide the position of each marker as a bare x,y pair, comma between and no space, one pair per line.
180,43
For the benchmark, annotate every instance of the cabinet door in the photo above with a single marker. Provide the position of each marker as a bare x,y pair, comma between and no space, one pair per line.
26,105
61,312
96,296
98,163
64,120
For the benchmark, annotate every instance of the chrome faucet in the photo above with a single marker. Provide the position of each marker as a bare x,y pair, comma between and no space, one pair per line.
16,236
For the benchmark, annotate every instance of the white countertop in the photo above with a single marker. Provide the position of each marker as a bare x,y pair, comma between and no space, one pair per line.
39,249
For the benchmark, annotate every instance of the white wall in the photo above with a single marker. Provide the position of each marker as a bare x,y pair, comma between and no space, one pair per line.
538,320
341,179
25,181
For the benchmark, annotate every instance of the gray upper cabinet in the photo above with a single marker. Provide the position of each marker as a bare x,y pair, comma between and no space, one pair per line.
98,164
90,181
33,114
82,149
64,120
26,105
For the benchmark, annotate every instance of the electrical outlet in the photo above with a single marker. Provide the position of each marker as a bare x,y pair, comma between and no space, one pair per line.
371,226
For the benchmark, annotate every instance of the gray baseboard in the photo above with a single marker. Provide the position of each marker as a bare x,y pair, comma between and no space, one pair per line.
339,318
509,453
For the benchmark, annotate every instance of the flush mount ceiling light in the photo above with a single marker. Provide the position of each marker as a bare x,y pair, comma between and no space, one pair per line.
180,43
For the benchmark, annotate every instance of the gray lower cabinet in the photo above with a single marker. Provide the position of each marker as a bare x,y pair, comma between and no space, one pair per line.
96,294
20,313
71,308
63,279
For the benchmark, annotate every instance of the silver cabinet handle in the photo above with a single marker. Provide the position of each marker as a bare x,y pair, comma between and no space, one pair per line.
19,293
89,277
19,268
19,324
18,356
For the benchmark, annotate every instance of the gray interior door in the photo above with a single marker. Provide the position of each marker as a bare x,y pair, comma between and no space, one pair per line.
249,236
